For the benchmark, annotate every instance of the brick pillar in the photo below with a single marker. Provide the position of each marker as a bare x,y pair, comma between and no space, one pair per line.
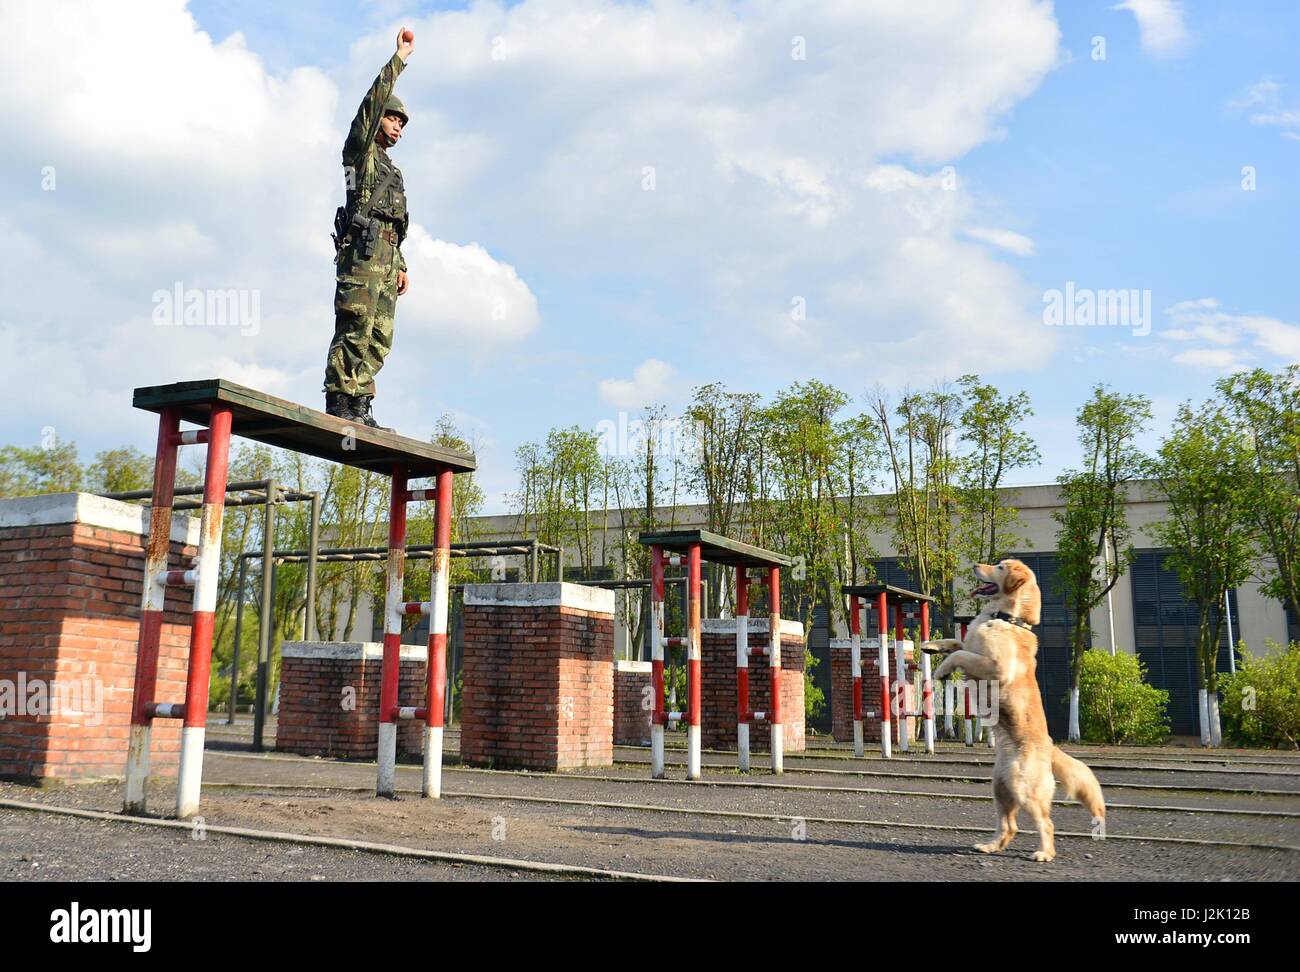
631,713
329,698
538,669
719,684
842,689
71,566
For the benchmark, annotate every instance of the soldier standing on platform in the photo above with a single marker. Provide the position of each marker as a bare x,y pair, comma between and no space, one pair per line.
369,230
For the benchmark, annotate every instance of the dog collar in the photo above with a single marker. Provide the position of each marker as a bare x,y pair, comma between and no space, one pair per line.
1012,619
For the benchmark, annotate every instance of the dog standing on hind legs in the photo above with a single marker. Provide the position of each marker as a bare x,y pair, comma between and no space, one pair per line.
1001,646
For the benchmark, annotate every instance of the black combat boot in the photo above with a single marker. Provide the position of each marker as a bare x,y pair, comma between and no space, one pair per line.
361,409
339,405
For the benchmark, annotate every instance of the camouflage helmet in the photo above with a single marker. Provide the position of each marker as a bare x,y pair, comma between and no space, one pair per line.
394,105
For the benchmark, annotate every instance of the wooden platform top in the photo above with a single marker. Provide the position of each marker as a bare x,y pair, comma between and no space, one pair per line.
287,425
894,595
715,549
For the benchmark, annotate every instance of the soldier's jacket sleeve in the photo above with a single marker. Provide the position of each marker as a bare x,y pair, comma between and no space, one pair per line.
366,124
406,226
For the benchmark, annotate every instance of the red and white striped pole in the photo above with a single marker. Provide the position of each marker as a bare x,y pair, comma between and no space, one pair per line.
882,614
394,608
152,599
693,656
774,668
855,635
969,729
742,669
189,783
436,667
900,689
657,661
927,683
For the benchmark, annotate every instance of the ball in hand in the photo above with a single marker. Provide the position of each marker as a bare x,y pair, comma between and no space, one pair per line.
408,35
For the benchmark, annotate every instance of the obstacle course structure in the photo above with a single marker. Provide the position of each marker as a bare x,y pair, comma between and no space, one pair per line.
688,548
224,409
881,597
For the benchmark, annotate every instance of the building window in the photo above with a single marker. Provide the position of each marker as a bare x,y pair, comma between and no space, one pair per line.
1164,628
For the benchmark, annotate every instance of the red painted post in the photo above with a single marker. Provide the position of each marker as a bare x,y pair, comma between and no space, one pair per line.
657,661
189,783
774,669
742,668
693,657
882,615
390,673
436,666
151,610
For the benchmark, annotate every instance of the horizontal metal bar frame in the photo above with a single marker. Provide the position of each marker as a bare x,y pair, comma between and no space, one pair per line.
421,551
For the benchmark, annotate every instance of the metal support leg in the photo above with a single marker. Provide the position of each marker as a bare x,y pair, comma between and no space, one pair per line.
265,618
189,783
386,782
774,669
882,613
693,663
151,611
927,683
240,589
658,719
855,634
742,669
436,668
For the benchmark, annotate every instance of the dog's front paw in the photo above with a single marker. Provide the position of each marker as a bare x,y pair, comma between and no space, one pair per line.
1043,856
945,666
992,847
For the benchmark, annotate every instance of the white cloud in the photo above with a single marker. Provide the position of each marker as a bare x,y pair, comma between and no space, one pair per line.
1160,24
460,294
1226,341
183,159
1271,109
1003,239
651,382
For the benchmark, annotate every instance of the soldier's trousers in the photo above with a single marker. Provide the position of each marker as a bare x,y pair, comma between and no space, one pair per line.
365,298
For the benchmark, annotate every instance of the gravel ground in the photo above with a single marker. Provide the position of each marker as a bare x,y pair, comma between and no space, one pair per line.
487,813
45,847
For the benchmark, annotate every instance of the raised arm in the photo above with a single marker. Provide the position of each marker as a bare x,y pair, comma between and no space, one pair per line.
366,123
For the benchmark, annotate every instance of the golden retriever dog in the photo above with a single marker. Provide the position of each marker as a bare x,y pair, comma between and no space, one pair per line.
1000,645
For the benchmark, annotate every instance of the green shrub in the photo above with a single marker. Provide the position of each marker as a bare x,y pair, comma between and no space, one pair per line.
1116,705
1261,702
814,699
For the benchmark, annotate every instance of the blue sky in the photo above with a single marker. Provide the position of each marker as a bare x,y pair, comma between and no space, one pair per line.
919,180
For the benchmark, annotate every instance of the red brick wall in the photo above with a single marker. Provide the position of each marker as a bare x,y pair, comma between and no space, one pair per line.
70,612
718,690
312,719
632,717
538,684
842,690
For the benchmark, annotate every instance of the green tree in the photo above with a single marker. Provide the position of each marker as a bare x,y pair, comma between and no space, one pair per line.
1203,468
996,446
1268,407
1093,518
120,471
51,467
721,422
924,469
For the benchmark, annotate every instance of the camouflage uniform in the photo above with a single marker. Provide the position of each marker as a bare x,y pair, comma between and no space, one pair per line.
365,291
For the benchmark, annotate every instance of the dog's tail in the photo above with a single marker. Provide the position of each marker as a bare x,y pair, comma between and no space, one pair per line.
1079,782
